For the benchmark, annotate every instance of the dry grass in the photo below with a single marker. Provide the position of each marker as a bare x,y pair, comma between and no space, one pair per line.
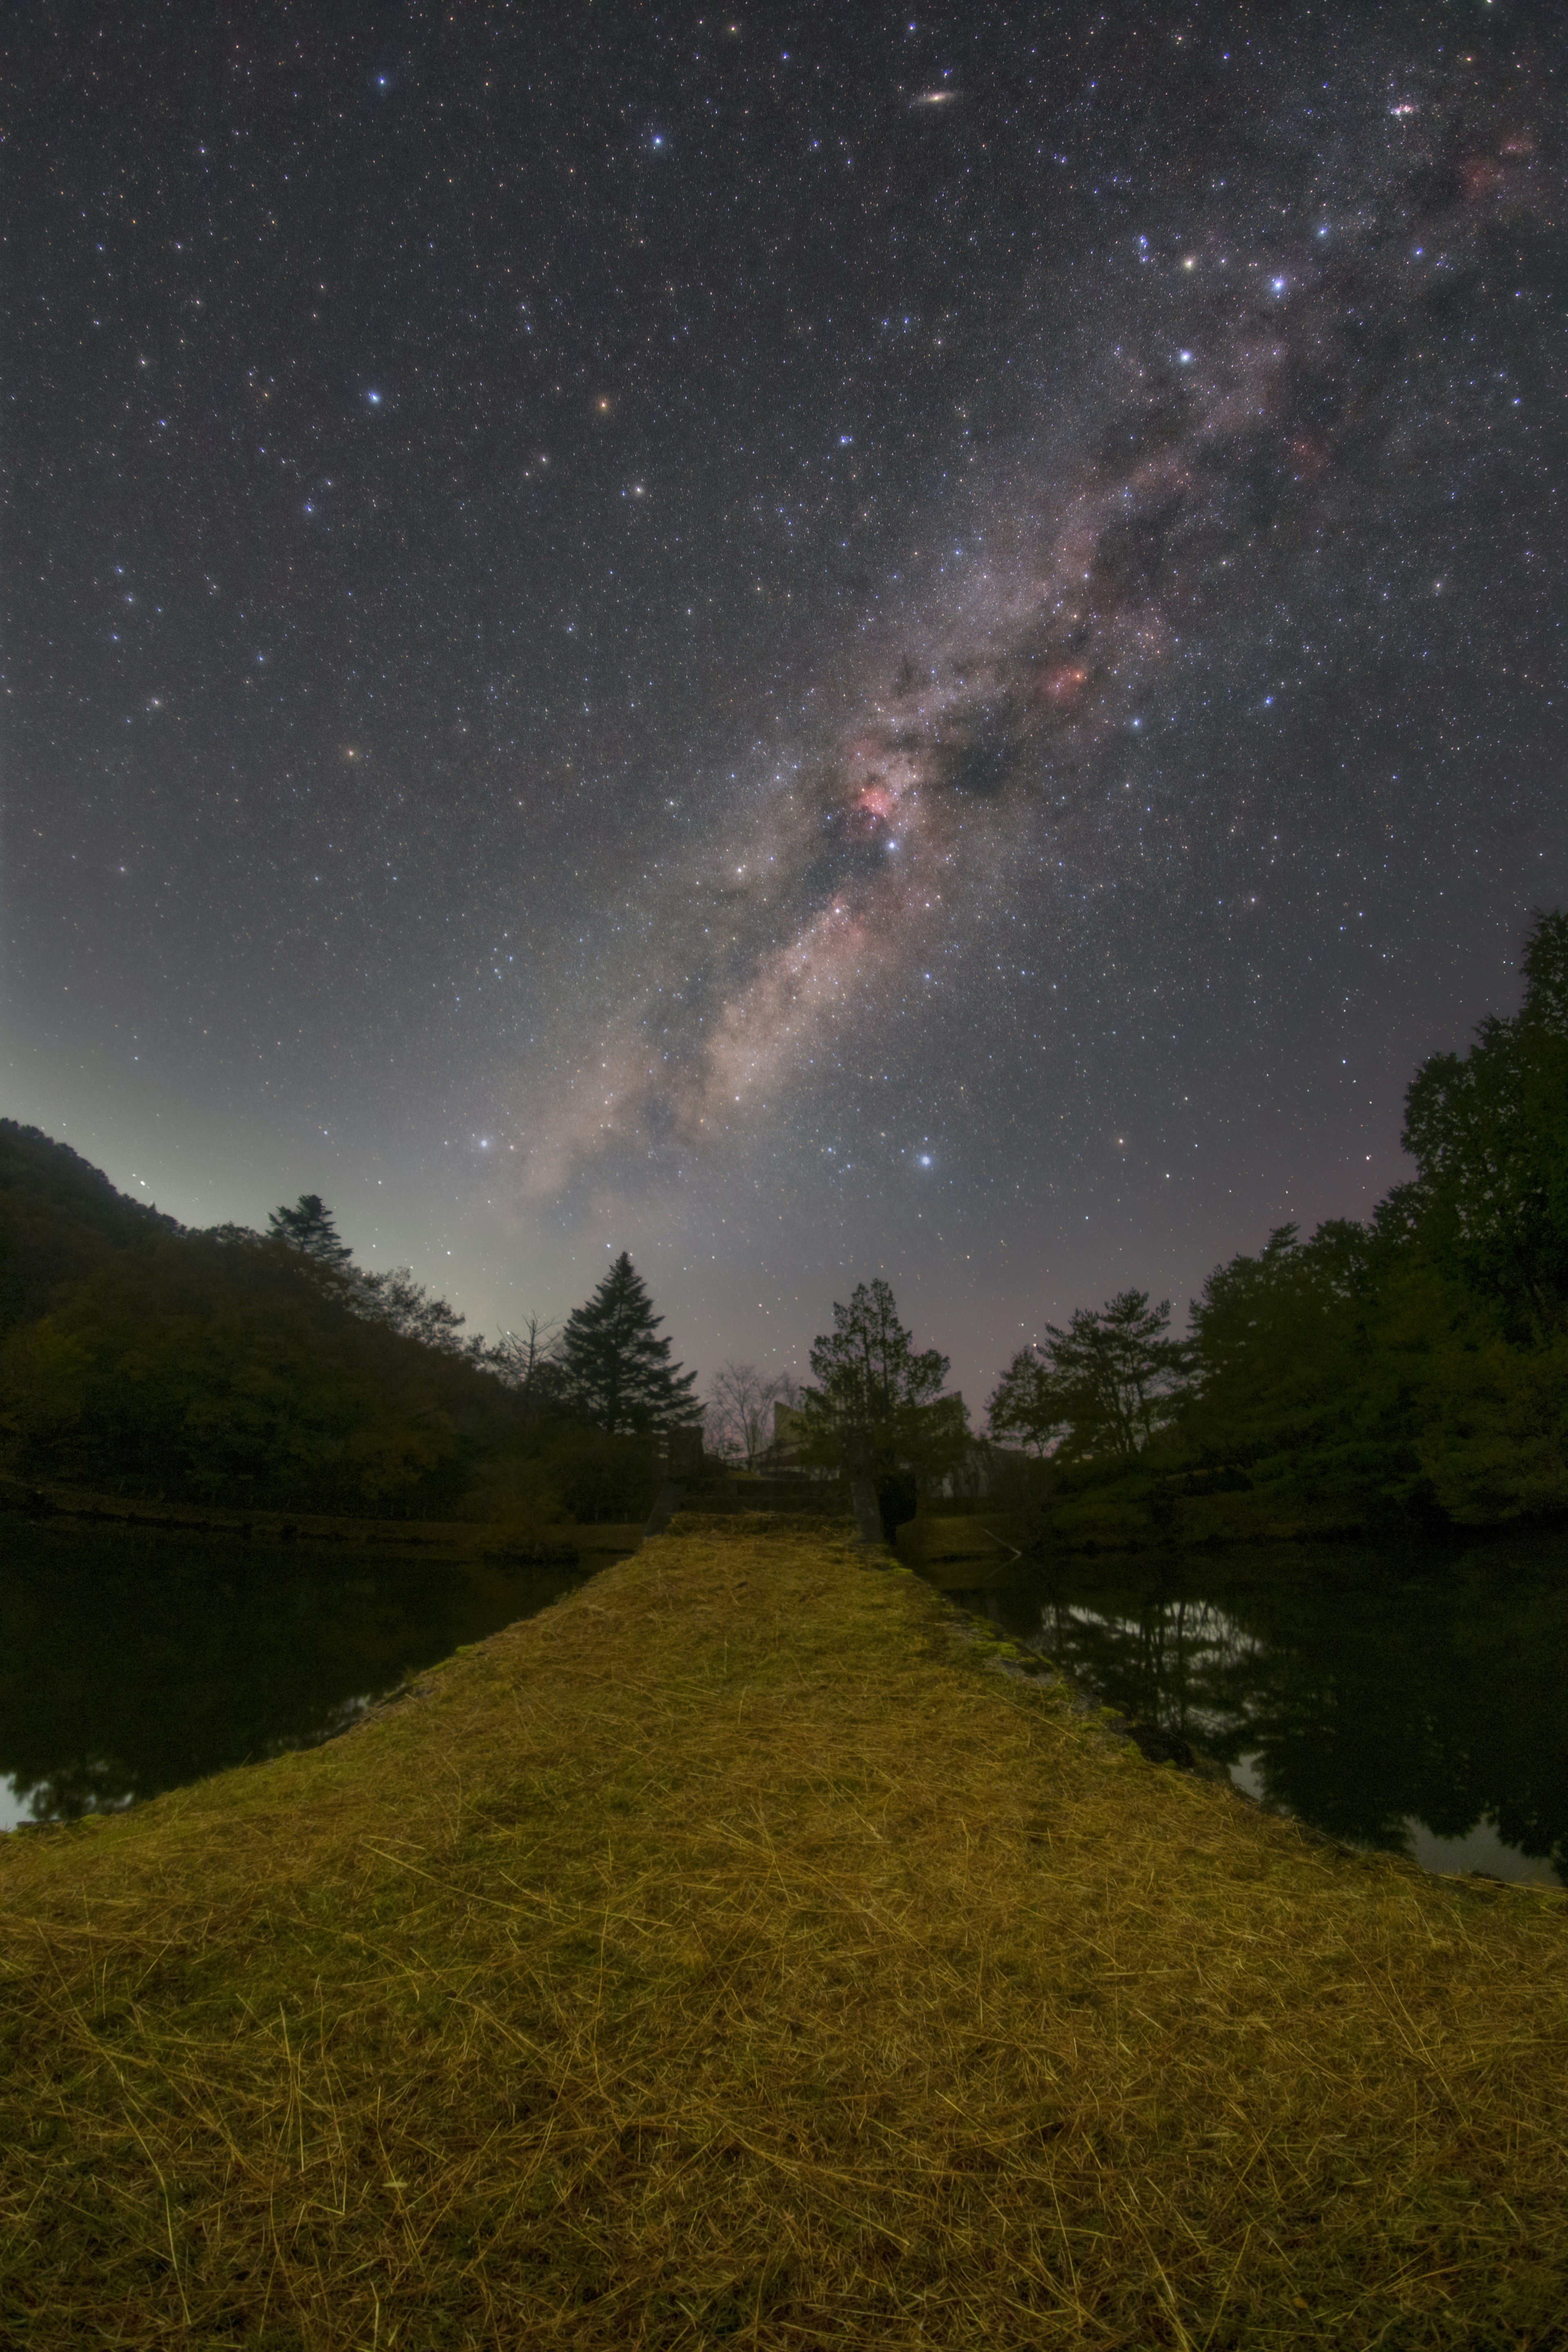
726,1957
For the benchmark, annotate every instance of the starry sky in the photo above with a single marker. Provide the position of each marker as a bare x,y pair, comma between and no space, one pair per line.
810,642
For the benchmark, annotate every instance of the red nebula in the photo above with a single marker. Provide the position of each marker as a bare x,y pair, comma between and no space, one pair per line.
1480,176
1064,684
867,816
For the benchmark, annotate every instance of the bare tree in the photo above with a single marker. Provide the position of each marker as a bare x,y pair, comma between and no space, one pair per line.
739,1410
529,1362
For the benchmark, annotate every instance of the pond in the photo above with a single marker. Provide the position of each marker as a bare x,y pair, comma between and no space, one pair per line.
1414,1702
131,1663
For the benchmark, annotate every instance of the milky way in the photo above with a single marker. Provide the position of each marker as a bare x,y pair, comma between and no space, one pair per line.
1265,393
811,646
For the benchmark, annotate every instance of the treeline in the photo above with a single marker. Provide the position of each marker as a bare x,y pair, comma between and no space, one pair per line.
235,1367
1412,1367
1409,1370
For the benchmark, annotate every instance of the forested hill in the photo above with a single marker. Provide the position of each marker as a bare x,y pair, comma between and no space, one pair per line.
138,1358
60,1220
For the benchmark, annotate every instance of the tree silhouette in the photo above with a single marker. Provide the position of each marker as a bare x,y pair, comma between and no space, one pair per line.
308,1227
1110,1379
877,1402
1488,1133
529,1361
616,1371
1029,1405
739,1398
393,1296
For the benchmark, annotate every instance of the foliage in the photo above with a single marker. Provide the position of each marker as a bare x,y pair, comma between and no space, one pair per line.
616,1371
60,1218
1270,1337
1104,1384
225,1367
1415,1366
204,1372
243,1368
308,1228
529,1362
1028,1406
601,1475
1488,1133
877,1398
390,1294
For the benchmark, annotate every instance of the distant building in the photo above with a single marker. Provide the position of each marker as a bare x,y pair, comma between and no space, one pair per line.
783,1458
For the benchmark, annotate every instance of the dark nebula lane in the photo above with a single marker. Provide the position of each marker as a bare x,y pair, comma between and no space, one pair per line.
809,645
1275,400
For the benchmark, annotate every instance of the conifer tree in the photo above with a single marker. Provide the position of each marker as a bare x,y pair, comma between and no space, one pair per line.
878,1399
614,1368
308,1226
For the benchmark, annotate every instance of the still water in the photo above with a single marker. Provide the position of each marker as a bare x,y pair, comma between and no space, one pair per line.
1417,1703
133,1662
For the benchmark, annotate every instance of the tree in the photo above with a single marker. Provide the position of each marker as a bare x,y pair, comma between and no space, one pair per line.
616,1371
529,1361
393,1296
739,1398
1488,1133
308,1226
1282,1345
1115,1372
1030,1404
877,1401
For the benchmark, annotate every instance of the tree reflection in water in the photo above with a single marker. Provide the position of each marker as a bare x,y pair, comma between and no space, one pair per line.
134,1663
1390,1699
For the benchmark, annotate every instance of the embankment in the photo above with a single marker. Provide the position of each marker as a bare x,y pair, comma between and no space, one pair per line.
564,1539
731,1955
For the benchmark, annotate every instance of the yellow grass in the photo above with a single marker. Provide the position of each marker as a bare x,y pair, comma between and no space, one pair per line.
731,1956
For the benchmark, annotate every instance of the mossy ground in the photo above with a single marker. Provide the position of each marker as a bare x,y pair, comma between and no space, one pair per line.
727,1957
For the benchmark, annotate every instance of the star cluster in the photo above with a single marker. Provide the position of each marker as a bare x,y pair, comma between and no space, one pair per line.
817,644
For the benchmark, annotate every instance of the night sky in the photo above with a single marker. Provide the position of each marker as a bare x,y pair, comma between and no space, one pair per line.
810,643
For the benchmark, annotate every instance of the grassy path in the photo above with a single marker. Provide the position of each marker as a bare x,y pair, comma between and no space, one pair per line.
727,1957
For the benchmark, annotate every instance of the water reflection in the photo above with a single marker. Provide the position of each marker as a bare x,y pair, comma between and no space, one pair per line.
1414,1704
133,1663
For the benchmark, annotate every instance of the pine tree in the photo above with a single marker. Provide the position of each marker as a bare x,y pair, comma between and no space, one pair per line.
866,1368
615,1370
1115,1375
308,1226
878,1399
